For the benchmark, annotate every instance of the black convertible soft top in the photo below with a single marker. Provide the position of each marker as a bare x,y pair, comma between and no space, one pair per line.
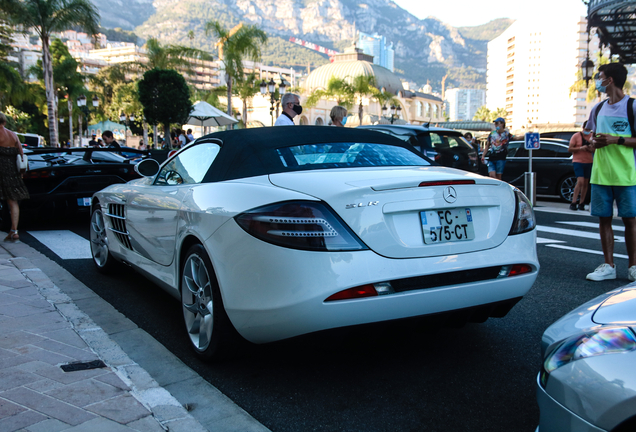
251,152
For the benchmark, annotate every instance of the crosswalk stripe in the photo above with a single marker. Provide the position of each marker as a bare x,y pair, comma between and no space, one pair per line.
562,211
541,240
575,233
591,225
65,244
590,251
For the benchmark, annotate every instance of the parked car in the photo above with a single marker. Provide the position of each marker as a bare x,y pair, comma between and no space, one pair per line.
445,146
61,182
564,135
268,233
552,164
588,380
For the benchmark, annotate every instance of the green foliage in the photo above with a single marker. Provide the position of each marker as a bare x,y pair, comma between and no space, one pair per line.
165,97
281,52
338,89
482,114
17,120
6,32
488,31
119,35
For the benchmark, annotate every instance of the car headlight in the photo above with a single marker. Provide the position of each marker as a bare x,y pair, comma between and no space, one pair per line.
595,342
305,225
524,220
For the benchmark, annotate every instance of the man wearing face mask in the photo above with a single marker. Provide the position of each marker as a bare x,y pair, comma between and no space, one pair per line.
582,163
291,108
614,169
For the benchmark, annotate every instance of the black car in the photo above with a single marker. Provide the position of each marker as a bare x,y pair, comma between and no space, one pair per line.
445,146
62,181
552,164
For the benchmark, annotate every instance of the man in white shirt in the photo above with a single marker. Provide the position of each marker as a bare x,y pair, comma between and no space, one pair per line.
291,108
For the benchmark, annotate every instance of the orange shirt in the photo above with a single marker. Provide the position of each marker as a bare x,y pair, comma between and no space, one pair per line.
579,156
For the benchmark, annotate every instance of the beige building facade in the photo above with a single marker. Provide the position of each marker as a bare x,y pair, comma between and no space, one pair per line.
531,69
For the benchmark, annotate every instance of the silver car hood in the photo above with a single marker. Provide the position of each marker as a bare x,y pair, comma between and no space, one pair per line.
619,309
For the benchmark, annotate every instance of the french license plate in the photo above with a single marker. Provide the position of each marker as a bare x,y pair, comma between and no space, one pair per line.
447,225
84,202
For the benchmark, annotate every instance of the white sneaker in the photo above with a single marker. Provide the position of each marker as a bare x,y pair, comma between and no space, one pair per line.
631,273
604,272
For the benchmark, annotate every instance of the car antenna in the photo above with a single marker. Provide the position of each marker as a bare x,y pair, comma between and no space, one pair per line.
428,124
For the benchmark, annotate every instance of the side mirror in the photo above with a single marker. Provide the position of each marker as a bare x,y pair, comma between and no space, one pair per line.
147,168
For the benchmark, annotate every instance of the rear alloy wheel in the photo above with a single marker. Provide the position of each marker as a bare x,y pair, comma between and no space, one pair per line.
566,188
209,328
102,258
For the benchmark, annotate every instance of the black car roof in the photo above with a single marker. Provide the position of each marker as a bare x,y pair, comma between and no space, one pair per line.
247,152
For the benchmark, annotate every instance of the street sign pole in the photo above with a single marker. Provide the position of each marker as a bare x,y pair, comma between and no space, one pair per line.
532,142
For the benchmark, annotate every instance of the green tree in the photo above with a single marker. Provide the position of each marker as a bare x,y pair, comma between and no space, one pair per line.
338,89
165,98
243,41
6,32
364,86
482,114
499,112
246,88
171,56
46,17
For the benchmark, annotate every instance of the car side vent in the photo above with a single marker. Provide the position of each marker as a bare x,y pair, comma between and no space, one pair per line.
118,224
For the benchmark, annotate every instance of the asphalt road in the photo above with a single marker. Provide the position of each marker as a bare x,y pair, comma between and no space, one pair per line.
398,377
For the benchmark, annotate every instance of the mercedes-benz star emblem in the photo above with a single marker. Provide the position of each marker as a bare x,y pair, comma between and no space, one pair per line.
450,196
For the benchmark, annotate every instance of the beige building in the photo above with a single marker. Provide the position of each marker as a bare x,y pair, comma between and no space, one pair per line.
531,68
416,107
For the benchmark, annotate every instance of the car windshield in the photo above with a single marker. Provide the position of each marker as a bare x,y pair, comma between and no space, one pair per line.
439,140
346,155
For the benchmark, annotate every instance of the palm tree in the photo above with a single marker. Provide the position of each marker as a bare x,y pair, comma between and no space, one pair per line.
246,88
364,86
47,17
171,56
338,89
234,45
482,114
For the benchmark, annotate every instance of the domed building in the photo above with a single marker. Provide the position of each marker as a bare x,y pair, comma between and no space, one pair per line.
415,107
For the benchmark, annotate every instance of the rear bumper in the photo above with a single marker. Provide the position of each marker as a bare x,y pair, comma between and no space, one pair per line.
272,293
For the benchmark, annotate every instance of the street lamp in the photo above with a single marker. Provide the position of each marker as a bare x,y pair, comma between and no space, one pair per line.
81,103
587,65
273,100
124,118
395,112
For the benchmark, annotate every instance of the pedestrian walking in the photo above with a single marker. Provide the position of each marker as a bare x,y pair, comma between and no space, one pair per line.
614,168
12,188
497,149
582,157
291,108
338,116
93,142
109,140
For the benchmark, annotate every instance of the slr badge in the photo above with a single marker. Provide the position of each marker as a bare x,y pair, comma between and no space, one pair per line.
450,195
370,203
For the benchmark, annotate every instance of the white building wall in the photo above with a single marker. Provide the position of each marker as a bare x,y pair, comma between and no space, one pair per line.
464,103
531,67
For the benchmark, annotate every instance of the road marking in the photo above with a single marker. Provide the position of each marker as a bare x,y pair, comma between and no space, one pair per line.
65,244
590,251
575,233
591,225
559,211
541,240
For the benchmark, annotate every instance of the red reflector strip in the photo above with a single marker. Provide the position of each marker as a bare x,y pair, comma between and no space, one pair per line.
519,269
446,183
354,293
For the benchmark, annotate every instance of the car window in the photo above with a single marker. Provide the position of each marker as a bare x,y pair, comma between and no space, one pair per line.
441,140
345,155
513,148
189,166
546,150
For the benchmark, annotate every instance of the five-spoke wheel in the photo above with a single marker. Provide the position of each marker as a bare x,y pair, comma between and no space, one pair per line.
99,241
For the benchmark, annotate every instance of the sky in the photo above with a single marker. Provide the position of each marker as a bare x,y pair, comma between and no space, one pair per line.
460,13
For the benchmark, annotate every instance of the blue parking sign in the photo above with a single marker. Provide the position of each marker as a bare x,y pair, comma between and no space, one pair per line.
532,141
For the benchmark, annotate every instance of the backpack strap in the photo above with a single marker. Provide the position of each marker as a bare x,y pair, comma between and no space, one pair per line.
630,116
596,111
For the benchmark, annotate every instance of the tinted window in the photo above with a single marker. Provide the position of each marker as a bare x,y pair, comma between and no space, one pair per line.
345,155
189,166
440,140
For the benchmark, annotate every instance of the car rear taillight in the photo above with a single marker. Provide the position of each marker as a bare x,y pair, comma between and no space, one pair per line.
37,174
305,225
514,270
354,293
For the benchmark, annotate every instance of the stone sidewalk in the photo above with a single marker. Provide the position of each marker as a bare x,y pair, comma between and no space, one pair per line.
41,329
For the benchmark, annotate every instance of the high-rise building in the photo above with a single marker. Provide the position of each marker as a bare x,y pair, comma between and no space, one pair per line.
464,103
376,46
531,69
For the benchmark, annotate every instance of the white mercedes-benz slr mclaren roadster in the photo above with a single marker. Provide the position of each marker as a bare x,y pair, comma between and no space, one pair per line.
277,232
